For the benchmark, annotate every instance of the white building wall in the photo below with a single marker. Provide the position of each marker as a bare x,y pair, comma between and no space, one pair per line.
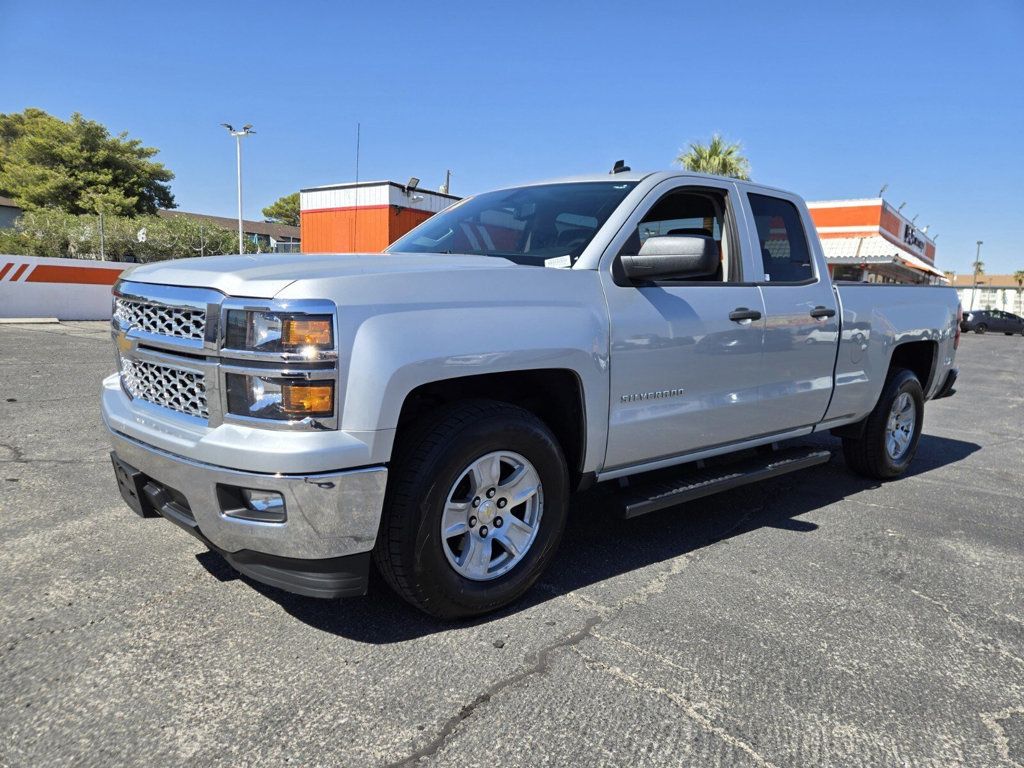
371,194
985,297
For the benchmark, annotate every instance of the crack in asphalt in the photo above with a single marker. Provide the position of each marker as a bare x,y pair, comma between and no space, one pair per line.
540,665
1002,739
542,660
963,631
18,457
688,707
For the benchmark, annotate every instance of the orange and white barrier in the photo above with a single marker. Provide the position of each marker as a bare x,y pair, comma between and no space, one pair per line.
68,289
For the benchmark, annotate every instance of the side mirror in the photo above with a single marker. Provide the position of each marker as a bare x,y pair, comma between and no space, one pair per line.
673,256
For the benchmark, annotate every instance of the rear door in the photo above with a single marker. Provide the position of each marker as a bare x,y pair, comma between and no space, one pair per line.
801,322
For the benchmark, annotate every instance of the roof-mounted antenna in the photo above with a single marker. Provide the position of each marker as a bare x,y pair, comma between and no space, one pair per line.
620,167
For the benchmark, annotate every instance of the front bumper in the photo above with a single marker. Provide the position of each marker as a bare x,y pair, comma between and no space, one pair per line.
334,577
328,514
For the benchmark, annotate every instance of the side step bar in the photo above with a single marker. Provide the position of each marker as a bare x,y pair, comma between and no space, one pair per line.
698,483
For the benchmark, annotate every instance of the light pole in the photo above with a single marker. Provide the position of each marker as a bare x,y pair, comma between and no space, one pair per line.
245,131
977,268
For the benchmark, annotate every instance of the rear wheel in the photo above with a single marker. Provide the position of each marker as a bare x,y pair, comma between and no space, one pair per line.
892,431
476,504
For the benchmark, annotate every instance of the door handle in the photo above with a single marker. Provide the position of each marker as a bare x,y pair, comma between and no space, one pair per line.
822,312
742,313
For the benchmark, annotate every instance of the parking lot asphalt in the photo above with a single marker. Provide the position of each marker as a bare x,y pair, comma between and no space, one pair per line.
817,619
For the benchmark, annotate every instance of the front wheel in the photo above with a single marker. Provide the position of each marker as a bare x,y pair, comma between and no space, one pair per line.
476,504
892,431
981,328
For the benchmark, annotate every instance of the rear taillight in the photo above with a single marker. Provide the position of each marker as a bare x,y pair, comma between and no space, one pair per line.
959,319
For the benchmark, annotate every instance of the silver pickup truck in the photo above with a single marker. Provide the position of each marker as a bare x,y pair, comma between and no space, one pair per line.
433,408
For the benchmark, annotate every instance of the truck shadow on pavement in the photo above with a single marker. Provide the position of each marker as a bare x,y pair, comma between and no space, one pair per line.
598,546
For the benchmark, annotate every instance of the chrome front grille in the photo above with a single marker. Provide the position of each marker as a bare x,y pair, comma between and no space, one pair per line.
161,319
174,388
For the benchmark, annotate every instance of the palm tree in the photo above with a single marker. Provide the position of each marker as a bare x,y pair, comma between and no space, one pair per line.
950,276
1018,277
717,157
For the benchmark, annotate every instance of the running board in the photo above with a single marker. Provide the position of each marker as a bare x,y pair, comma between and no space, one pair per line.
707,481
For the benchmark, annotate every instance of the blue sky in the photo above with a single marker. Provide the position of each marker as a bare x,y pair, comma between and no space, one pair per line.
830,99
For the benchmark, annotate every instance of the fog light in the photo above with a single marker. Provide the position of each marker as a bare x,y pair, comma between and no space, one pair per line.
252,504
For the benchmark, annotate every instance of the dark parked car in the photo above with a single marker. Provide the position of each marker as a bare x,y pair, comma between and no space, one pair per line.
983,320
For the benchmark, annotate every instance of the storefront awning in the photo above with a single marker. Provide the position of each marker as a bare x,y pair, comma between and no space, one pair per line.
874,249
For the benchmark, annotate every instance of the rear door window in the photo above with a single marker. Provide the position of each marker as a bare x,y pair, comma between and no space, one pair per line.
783,242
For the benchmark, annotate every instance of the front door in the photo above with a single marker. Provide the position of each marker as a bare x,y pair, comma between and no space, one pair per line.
684,374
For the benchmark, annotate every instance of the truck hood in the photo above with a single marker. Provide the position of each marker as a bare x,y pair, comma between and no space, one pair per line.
265,275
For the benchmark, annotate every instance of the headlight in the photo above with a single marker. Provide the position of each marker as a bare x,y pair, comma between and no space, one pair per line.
279,332
283,399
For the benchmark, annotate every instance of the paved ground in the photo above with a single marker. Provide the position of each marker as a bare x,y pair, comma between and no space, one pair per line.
814,620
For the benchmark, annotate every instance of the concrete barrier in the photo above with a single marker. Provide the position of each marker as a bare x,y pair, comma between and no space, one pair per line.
68,289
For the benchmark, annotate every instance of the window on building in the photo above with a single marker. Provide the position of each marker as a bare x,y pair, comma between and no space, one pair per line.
784,250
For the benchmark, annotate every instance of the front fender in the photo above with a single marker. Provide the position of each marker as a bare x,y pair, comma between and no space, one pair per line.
392,354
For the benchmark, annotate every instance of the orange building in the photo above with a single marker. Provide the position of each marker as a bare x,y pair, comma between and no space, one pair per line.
870,240
365,216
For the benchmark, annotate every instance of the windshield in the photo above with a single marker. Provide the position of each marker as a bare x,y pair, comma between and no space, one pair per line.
527,225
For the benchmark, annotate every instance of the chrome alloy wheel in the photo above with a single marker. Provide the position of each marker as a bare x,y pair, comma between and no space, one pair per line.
899,431
492,515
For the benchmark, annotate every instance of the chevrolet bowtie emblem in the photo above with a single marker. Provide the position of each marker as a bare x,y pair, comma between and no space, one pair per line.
124,344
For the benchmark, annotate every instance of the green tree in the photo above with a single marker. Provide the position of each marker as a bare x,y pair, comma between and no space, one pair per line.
284,211
78,167
717,156
50,232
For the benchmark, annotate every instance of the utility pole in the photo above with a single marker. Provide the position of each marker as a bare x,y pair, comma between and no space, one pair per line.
977,271
239,135
103,256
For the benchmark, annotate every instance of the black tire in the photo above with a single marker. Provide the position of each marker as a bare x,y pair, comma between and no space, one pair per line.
432,456
980,328
1007,333
867,455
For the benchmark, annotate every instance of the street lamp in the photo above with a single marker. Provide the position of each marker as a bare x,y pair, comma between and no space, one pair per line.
977,269
245,131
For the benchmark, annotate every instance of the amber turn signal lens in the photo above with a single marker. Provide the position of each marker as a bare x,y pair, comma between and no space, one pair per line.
302,332
307,400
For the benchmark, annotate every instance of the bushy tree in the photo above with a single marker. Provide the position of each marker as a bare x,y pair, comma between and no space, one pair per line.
284,211
718,157
50,232
78,167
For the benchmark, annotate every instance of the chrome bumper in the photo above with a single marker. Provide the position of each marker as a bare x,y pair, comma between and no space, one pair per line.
329,514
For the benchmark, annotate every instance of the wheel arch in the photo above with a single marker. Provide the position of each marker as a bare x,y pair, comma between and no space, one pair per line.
919,357
555,395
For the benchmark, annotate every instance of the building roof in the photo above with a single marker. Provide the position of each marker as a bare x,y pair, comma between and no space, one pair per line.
873,249
985,281
360,184
276,231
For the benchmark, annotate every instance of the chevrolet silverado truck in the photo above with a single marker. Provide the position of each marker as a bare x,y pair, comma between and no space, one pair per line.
433,408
